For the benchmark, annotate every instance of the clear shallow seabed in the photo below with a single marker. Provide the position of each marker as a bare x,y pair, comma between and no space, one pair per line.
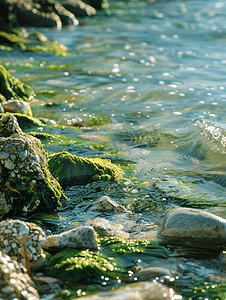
157,71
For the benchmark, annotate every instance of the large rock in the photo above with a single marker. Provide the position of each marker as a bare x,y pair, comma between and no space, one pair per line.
17,106
25,181
136,291
23,240
193,227
15,283
82,237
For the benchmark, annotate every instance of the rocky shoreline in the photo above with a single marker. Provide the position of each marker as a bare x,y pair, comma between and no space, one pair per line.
35,264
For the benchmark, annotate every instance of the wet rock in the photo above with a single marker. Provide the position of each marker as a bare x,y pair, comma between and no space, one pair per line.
78,8
1,109
104,228
15,235
14,281
72,170
82,237
13,88
106,204
136,291
25,181
193,227
17,106
153,272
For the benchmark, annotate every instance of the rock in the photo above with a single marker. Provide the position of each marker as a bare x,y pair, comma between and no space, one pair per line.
72,170
17,106
153,272
15,282
21,234
104,228
106,204
78,8
44,13
1,109
82,237
13,88
193,227
136,291
25,183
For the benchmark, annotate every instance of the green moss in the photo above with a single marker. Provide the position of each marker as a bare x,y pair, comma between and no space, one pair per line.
24,120
119,246
13,88
42,135
71,169
73,265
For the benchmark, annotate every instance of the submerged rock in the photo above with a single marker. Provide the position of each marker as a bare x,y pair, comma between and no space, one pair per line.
23,240
136,291
105,204
70,169
151,273
193,227
82,237
107,228
13,88
25,181
17,106
15,282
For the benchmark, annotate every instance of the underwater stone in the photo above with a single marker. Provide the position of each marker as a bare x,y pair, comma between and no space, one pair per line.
82,237
151,273
106,204
15,282
193,227
136,291
70,169
30,184
17,106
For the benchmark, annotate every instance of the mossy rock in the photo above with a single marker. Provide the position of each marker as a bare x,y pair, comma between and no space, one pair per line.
70,169
73,265
13,88
24,121
120,246
25,181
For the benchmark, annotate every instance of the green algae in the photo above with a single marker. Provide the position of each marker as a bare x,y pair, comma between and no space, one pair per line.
138,138
98,120
70,169
207,291
25,121
120,246
73,265
13,88
35,42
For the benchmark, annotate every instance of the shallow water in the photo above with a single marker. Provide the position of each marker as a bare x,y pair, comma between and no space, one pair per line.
156,70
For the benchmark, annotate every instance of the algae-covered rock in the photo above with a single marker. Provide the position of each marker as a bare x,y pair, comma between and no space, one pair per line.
25,181
15,282
13,88
73,265
106,204
70,169
24,121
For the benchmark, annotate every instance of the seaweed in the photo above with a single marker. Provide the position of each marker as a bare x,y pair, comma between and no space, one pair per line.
13,88
121,246
73,265
207,290
70,169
